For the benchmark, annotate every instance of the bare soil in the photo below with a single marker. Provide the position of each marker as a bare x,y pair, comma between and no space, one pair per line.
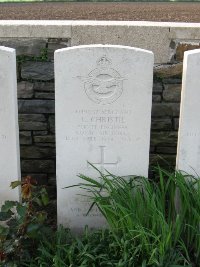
181,12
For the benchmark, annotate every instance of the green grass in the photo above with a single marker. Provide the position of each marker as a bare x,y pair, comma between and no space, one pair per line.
151,223
146,212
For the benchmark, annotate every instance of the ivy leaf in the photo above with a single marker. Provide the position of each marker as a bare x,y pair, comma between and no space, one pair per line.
6,215
8,205
41,216
15,184
3,231
45,197
32,230
21,210
38,201
12,223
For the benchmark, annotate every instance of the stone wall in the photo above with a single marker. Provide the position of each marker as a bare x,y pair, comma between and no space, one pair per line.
37,114
35,72
165,117
166,105
35,47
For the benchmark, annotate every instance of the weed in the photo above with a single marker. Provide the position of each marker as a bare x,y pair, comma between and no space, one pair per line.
21,224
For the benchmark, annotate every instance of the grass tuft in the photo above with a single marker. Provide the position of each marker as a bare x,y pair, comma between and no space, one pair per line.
151,223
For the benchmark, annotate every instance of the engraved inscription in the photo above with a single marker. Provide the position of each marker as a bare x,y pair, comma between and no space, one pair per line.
80,206
102,164
192,134
103,85
79,211
96,125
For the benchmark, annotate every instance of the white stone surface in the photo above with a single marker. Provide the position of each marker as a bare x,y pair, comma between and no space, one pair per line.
135,34
154,36
103,114
35,28
188,153
185,31
9,133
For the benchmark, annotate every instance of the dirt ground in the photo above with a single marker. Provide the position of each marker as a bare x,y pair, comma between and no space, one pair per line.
182,12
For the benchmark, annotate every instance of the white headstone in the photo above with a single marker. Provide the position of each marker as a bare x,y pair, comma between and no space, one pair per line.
103,114
9,133
188,153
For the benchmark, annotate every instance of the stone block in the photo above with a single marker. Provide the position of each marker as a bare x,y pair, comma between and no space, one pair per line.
54,44
130,33
44,86
25,89
166,150
183,46
52,123
44,139
32,122
18,71
44,95
172,93
172,80
168,70
32,70
164,161
37,28
40,178
40,132
38,166
156,98
32,125
25,46
25,138
176,123
185,31
34,152
52,180
157,87
31,117
46,145
36,106
161,124
164,138
165,109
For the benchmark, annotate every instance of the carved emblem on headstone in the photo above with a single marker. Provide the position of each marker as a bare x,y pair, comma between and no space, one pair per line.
103,85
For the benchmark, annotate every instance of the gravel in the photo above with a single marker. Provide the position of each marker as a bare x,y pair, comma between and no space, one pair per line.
181,12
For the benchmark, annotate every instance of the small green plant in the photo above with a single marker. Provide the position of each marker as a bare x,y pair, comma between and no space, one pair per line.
151,224
92,249
144,213
41,58
21,224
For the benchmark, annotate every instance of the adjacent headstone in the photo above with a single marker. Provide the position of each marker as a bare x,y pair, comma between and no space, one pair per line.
103,114
188,153
9,133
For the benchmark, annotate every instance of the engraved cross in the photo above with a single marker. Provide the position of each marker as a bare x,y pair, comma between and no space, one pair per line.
101,164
